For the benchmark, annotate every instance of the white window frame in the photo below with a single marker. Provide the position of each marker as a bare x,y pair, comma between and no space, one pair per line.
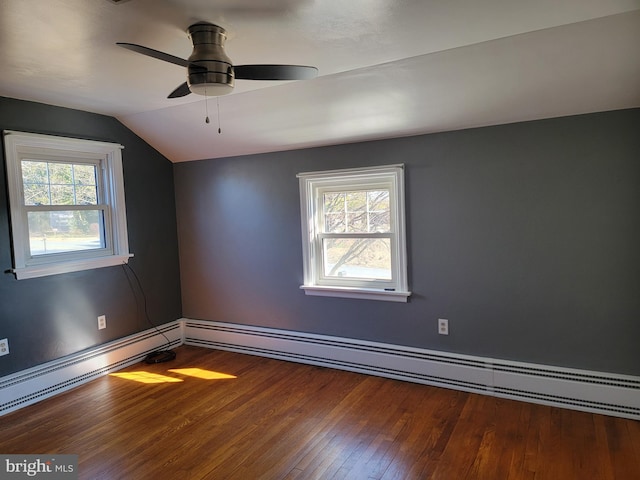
107,157
312,187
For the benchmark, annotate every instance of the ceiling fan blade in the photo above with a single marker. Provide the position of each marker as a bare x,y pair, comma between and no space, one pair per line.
150,52
275,72
181,91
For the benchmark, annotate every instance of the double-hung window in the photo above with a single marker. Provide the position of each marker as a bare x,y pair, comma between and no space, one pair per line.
353,229
67,204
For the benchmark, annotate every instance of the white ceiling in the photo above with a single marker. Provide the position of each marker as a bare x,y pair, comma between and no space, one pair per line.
387,68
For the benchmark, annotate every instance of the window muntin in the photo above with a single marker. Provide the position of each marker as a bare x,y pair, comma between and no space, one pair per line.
67,204
353,226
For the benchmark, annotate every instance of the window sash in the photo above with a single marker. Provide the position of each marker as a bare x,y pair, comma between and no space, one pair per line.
367,212
96,163
355,281
105,232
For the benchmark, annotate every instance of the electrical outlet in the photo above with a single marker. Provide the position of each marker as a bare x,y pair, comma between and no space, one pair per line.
443,326
4,347
102,322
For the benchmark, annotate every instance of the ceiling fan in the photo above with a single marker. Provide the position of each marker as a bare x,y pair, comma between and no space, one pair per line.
209,69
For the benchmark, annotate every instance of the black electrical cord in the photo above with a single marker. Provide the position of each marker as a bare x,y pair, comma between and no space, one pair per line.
157,356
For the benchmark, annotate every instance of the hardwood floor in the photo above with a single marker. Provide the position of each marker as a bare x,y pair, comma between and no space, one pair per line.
279,420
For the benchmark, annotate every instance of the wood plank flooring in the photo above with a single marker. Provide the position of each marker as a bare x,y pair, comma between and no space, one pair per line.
280,420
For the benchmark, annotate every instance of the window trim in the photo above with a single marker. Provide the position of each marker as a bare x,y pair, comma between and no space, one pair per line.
312,185
108,157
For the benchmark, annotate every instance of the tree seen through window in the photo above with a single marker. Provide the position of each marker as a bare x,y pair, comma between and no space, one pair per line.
353,213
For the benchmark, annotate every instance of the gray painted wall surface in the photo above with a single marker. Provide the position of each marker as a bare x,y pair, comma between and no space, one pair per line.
525,236
50,317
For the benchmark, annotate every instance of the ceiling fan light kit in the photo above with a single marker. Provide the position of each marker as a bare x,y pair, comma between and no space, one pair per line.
210,71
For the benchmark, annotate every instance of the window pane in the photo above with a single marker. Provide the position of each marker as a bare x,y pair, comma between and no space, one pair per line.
34,172
86,195
84,174
62,195
60,173
367,258
65,231
380,222
36,194
356,201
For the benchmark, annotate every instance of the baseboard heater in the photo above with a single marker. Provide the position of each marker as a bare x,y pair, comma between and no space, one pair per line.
44,381
597,392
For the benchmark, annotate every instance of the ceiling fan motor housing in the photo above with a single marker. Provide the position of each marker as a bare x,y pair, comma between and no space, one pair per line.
210,69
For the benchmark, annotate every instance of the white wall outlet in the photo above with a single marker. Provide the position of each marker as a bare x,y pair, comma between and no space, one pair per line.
102,322
443,326
4,347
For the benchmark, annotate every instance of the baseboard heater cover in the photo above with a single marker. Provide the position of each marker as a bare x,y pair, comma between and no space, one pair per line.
43,381
596,392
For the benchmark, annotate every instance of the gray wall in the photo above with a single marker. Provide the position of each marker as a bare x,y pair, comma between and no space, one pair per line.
525,236
50,317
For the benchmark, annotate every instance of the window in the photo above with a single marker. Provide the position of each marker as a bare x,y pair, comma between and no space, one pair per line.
67,204
353,233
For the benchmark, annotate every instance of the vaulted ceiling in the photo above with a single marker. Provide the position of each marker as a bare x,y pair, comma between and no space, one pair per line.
387,68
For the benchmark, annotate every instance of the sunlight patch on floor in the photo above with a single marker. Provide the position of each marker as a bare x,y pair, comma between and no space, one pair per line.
201,373
146,377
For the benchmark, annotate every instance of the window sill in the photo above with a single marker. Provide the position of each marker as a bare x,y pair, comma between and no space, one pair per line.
361,293
35,271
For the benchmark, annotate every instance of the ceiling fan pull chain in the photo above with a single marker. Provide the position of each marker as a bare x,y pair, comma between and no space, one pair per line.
218,102
206,105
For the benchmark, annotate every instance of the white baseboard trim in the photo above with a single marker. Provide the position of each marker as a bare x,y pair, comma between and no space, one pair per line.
49,379
596,392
